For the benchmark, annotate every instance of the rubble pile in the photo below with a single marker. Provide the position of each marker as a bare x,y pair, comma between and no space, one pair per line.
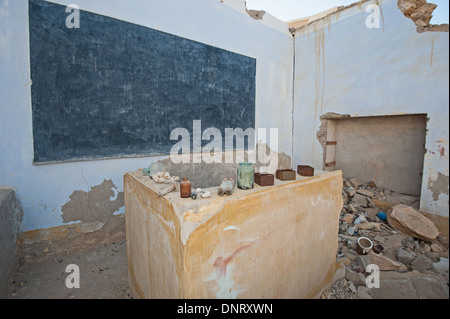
403,240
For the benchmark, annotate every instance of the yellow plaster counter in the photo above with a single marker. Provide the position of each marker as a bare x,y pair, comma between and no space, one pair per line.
270,242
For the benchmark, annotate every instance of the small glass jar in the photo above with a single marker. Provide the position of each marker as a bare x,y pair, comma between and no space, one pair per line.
246,176
185,188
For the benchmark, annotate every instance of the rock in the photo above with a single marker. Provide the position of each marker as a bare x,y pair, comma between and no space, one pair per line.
379,239
350,191
409,247
369,226
386,264
392,243
441,266
346,184
370,203
351,208
206,194
365,192
371,213
360,220
421,263
372,184
352,288
416,246
363,261
346,261
357,278
351,230
405,257
433,256
360,200
343,226
350,245
346,238
435,248
382,205
443,241
348,218
344,197
407,220
355,182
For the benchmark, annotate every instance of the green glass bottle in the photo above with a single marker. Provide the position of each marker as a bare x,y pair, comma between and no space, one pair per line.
246,176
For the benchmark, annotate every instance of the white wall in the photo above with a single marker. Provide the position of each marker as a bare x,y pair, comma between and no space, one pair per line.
341,66
346,68
43,190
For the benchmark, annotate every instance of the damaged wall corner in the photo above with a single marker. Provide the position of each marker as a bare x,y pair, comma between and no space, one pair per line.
373,86
421,13
326,138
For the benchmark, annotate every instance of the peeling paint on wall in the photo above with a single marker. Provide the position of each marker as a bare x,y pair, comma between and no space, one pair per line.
438,186
96,205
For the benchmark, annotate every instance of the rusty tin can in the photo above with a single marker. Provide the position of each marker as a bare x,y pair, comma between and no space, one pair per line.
305,170
286,175
263,179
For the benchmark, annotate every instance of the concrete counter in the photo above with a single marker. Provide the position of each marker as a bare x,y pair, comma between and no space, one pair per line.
269,242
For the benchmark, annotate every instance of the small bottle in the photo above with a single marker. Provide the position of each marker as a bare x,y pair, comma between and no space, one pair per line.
185,188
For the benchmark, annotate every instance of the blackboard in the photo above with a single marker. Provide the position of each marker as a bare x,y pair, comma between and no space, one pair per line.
112,88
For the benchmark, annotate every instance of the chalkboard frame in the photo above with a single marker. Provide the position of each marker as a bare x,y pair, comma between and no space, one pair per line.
46,17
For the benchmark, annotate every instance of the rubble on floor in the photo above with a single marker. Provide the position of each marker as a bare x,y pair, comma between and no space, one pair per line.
406,246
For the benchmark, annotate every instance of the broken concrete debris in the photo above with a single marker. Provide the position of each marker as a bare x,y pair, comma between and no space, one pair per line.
405,242
405,257
361,200
421,263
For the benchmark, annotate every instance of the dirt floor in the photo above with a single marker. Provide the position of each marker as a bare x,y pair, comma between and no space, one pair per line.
103,275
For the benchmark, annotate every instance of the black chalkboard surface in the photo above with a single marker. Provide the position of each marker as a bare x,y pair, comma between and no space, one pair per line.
112,88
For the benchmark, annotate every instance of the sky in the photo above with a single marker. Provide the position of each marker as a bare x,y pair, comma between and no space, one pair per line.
287,10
